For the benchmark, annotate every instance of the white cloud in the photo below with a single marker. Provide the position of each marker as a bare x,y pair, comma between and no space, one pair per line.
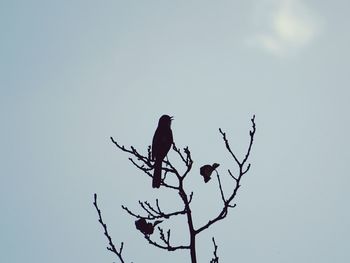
284,26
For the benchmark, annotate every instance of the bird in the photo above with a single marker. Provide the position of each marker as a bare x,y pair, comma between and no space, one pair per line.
162,141
207,170
146,228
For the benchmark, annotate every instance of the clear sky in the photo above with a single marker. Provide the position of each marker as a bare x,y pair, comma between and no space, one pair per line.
74,73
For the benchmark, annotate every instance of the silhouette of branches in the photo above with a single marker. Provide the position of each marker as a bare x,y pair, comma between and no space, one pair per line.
111,247
227,201
166,241
153,214
215,259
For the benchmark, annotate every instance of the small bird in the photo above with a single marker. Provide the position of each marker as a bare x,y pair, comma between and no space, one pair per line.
162,141
144,227
207,170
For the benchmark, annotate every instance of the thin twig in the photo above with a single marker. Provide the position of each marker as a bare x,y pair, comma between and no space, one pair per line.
228,146
220,187
251,134
111,244
216,258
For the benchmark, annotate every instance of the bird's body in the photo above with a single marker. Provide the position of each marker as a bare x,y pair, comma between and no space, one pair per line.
162,141
145,227
207,170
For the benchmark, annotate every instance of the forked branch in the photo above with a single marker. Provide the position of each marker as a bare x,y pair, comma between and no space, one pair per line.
227,202
111,247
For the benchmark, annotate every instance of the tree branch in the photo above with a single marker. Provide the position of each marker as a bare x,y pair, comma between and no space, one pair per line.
227,202
216,258
166,240
251,134
111,244
152,213
187,159
220,187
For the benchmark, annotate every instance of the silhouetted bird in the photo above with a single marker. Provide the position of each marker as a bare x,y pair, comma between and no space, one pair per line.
162,141
144,227
207,170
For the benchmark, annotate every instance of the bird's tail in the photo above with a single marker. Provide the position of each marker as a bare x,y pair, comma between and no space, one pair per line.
157,174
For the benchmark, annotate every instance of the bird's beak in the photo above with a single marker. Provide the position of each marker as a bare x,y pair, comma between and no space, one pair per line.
171,118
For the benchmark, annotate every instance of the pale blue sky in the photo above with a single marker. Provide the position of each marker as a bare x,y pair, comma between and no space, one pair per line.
74,73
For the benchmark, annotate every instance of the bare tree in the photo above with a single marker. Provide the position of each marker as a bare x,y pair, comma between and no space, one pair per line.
153,215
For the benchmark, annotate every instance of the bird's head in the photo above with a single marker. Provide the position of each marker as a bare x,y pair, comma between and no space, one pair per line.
165,120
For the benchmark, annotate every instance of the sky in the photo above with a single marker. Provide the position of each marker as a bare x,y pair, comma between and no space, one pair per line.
74,73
